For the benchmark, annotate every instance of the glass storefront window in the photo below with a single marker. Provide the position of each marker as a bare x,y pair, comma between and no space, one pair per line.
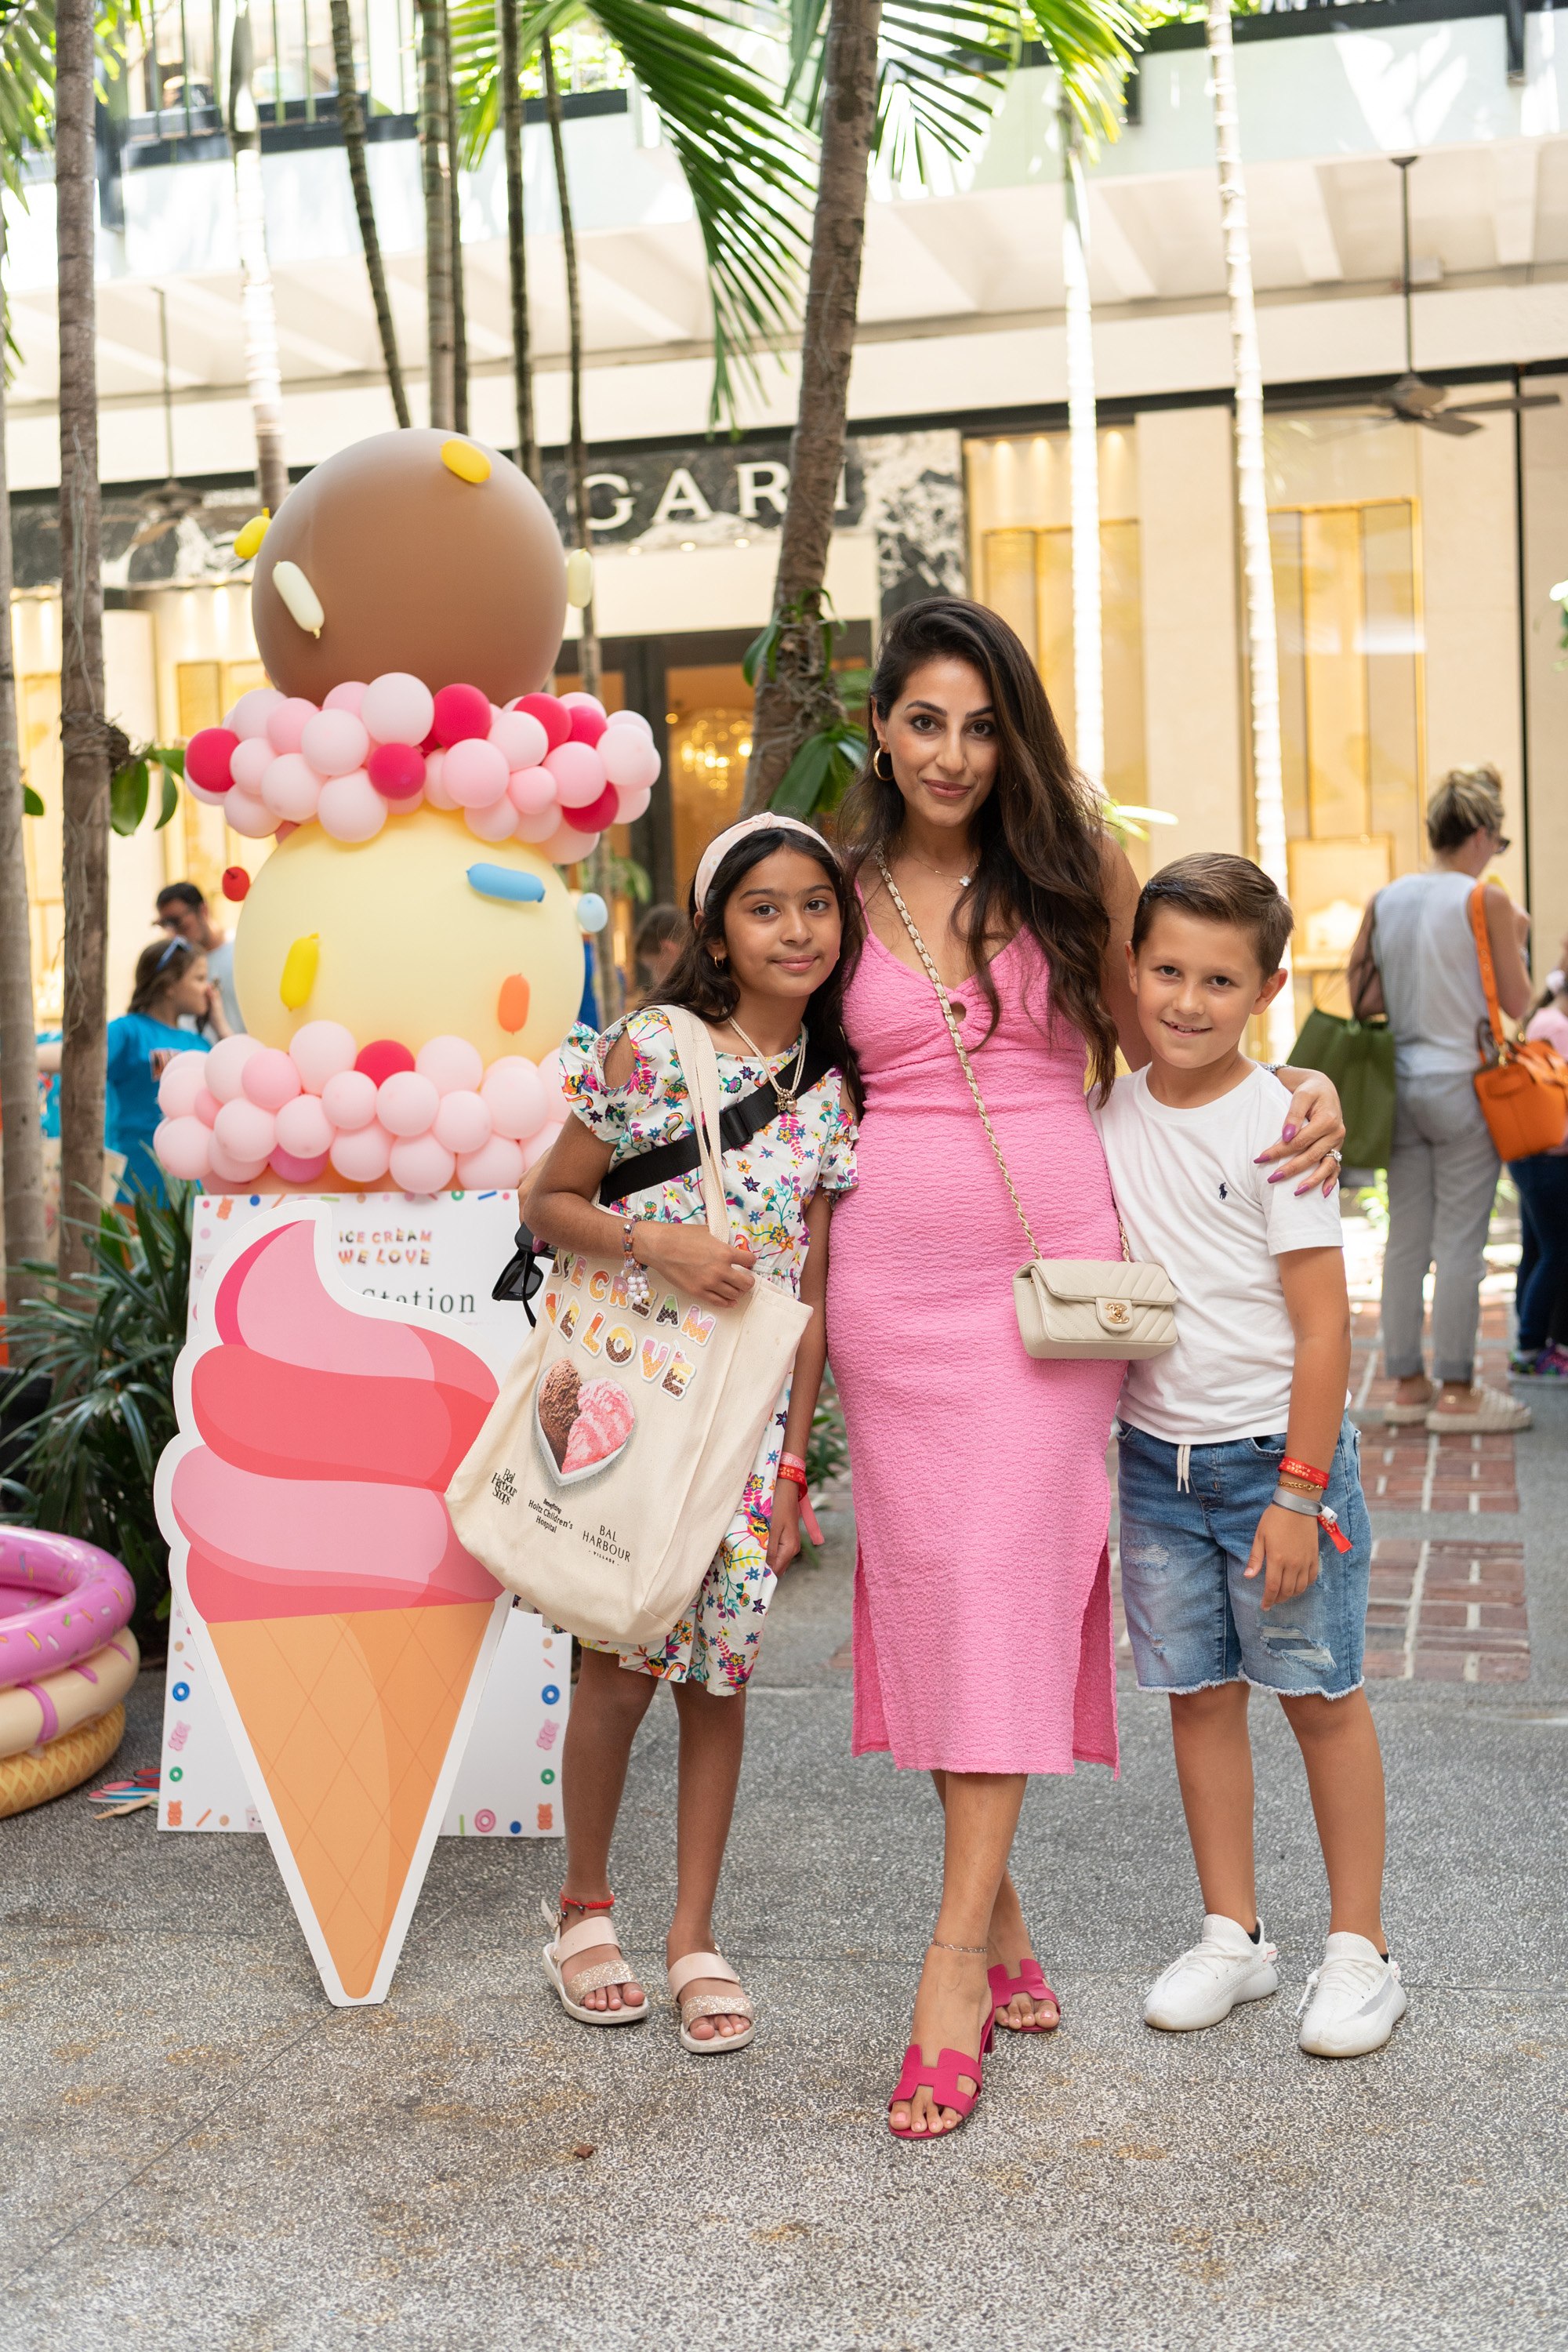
707,711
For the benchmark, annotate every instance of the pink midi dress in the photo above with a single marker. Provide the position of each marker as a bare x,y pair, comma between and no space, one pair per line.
982,1630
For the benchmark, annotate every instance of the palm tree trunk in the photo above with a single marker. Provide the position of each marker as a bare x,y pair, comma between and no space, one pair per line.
1083,442
1251,493
21,1144
797,699
512,120
454,239
258,310
351,117
576,452
438,217
84,792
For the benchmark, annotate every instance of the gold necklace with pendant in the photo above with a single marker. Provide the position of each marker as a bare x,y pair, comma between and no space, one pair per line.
785,1089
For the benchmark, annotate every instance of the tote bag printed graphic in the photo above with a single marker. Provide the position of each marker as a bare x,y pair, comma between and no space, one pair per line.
619,1447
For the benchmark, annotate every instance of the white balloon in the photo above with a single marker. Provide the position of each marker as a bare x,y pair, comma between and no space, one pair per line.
350,809
248,815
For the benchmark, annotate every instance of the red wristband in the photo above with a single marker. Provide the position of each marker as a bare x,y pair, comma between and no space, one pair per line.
792,1469
1289,1469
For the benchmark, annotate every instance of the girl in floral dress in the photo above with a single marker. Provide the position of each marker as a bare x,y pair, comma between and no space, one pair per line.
770,913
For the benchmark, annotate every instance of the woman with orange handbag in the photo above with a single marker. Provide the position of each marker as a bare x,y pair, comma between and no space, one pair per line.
1416,960
1541,1180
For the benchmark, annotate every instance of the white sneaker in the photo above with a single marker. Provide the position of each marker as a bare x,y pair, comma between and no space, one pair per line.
1353,2003
1205,1985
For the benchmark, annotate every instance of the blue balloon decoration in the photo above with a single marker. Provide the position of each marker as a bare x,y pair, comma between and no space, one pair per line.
506,882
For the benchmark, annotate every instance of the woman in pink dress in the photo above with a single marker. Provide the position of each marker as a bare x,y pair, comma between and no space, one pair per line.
982,1630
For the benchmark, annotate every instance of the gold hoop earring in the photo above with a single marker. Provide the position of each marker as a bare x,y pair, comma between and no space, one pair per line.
884,775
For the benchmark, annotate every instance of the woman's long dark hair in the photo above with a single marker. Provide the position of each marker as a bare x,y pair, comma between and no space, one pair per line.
706,986
1041,842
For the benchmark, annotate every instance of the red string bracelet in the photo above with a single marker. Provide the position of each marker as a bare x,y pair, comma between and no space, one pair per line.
793,1468
1291,1469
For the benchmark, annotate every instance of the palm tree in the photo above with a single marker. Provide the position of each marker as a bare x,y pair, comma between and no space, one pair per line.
1083,447
512,119
440,326
576,450
84,731
350,117
26,41
1251,493
262,369
935,72
455,231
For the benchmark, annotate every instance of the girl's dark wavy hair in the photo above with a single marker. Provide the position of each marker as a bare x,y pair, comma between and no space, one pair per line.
1041,840
706,986
160,964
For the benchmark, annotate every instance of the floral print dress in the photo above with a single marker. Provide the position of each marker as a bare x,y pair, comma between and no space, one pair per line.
767,1187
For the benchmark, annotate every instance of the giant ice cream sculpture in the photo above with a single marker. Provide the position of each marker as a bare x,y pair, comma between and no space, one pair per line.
408,960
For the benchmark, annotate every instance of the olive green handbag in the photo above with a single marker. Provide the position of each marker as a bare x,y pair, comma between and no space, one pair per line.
1358,1057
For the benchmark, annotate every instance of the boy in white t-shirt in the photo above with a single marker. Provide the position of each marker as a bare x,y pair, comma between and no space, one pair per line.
1245,1540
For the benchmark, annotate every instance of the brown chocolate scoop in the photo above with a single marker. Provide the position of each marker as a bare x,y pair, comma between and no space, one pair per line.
558,1406
414,568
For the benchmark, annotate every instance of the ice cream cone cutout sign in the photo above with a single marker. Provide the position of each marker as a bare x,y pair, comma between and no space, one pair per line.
347,1632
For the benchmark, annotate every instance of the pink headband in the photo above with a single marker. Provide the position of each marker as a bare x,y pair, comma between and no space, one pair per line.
718,850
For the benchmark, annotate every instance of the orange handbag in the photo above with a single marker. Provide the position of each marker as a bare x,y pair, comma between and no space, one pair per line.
1523,1082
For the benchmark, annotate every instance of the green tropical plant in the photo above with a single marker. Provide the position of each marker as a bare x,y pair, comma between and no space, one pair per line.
130,785
107,1343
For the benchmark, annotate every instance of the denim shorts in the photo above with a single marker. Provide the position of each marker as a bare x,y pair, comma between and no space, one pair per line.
1193,1618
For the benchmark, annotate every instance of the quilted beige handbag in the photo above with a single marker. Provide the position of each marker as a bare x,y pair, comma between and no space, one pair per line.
1076,1307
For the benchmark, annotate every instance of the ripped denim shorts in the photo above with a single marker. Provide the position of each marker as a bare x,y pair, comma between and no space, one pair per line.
1193,1618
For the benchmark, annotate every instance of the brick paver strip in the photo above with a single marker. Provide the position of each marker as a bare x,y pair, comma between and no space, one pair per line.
1446,1611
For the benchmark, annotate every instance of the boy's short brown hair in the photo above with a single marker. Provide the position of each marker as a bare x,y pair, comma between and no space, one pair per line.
1216,888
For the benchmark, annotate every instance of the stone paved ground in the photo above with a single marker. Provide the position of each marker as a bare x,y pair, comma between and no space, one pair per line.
197,2152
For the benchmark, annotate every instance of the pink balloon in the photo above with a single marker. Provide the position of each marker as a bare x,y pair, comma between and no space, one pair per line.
588,702
231,1174
551,1079
492,825
248,815
600,815
335,743
350,809
245,1132
206,1107
420,1164
347,697
537,830
534,1151
291,789
579,774
587,726
270,1079
514,1098
518,737
628,757
183,1080
294,1169
184,1147
250,764
304,1130
623,719
475,773
452,1066
495,1167
552,715
397,709
364,1156
251,712
406,1104
566,846
530,790
397,771
286,721
320,1050
225,1067
463,1122
435,791
633,805
348,1100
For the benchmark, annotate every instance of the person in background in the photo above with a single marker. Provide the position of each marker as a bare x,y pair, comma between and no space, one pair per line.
1415,958
1540,1298
170,980
661,937
182,910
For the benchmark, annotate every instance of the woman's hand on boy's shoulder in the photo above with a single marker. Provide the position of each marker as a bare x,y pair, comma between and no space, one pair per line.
1308,1150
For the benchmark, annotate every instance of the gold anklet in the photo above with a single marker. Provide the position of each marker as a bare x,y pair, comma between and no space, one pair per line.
975,1951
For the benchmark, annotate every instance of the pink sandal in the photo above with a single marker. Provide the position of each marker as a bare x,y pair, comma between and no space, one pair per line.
1031,1980
943,2080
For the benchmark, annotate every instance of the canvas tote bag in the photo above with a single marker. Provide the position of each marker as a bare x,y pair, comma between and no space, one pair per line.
615,1457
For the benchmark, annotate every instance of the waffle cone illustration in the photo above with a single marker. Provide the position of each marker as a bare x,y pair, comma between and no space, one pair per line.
345,1623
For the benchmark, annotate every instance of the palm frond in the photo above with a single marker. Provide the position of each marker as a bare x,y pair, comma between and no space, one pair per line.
941,69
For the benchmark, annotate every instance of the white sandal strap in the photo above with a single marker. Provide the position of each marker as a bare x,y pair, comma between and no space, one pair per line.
597,1928
716,2004
699,1964
608,1972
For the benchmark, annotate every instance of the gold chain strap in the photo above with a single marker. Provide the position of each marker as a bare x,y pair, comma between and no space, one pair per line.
942,997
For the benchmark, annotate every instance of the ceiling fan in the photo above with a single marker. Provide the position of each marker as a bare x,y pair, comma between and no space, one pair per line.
167,504
1410,398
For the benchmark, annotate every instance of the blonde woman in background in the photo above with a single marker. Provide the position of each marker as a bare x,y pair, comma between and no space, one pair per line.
1415,959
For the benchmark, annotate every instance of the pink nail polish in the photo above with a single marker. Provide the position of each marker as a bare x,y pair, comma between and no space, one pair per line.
1290,1133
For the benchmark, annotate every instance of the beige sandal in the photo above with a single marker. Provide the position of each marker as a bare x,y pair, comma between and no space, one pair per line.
592,1928
709,2004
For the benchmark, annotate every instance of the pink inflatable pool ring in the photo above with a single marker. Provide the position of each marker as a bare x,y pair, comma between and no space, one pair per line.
59,1600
